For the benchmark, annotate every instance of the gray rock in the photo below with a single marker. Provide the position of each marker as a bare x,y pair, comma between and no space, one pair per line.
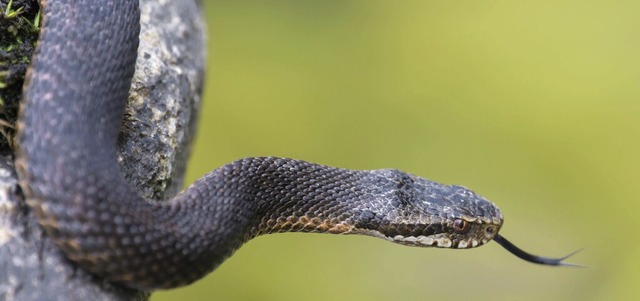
158,128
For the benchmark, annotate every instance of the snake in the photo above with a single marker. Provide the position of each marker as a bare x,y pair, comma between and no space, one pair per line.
70,117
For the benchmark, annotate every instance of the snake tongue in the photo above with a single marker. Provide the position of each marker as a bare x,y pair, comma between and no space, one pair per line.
533,258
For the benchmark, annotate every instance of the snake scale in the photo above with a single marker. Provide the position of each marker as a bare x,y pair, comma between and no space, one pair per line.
70,117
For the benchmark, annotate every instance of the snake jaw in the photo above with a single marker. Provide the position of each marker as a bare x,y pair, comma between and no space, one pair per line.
438,242
479,233
422,241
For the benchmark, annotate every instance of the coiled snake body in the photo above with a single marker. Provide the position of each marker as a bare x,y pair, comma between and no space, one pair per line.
70,117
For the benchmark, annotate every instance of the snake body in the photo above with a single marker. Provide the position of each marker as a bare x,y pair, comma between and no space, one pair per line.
68,128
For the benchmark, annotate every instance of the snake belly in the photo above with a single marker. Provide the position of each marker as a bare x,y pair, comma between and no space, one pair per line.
70,117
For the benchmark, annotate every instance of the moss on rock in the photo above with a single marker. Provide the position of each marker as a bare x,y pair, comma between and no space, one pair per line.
19,27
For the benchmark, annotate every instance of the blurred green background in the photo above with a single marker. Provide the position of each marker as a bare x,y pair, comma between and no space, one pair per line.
532,104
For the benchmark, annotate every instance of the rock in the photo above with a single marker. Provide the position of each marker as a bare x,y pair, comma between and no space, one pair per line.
158,129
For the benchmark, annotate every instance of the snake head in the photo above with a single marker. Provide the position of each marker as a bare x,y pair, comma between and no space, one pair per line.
411,210
468,220
456,217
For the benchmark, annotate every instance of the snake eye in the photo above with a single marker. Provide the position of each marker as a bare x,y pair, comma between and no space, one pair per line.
461,226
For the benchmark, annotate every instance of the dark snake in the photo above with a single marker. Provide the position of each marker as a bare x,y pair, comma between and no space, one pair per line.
70,117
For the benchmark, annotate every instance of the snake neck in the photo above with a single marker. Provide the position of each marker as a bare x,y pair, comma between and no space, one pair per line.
271,195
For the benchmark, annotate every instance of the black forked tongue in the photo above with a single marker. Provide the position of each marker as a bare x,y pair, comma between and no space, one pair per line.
533,258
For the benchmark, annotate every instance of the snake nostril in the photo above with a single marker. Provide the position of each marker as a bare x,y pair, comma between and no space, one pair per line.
489,231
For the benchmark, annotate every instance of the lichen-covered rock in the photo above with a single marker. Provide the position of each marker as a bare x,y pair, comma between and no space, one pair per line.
158,128
170,72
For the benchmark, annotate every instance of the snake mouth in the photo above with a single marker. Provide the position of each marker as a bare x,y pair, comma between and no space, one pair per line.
475,234
439,241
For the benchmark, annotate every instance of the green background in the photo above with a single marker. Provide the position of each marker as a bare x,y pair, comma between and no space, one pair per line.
532,104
